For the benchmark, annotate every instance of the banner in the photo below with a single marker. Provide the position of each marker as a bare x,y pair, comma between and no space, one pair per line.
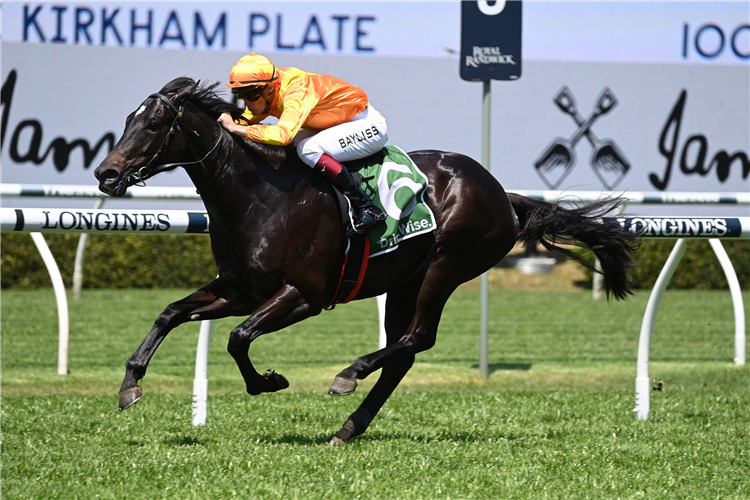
626,96
656,32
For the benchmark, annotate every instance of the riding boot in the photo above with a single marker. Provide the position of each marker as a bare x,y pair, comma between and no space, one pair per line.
365,212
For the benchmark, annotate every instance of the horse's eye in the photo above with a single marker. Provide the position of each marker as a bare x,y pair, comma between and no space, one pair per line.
153,125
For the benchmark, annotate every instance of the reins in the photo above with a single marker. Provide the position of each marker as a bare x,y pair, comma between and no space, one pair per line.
147,171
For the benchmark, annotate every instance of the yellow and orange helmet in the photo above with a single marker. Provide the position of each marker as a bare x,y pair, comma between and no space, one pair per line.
252,69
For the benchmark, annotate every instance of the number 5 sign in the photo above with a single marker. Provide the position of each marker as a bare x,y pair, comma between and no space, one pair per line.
491,40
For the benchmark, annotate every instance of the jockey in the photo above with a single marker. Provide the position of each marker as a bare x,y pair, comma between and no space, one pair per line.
328,120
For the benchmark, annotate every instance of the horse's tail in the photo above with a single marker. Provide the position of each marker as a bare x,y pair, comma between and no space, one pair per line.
549,223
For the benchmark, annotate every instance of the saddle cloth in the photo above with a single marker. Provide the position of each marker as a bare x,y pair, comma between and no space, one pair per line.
397,186
392,180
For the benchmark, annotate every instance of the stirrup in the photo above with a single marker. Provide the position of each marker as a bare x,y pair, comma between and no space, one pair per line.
366,220
378,214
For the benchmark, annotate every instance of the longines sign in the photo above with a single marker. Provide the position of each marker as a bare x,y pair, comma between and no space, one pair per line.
685,227
103,221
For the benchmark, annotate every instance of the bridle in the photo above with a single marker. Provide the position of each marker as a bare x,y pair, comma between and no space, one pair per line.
149,169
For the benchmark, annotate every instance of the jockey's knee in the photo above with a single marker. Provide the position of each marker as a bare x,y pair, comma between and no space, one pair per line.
309,151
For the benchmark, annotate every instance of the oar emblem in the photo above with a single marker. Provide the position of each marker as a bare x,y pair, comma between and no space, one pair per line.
559,158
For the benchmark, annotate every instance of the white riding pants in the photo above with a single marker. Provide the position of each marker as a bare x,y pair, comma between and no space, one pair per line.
366,134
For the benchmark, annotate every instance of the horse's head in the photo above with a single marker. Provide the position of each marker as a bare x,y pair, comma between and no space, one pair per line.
148,131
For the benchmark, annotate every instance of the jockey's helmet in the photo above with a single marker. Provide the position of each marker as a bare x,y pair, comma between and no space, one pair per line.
252,70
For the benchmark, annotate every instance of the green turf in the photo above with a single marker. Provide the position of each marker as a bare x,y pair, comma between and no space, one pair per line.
554,420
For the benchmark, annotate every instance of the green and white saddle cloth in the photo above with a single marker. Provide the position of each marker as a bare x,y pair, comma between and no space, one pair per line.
398,187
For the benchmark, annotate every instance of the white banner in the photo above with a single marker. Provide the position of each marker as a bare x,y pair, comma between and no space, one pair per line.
610,99
656,31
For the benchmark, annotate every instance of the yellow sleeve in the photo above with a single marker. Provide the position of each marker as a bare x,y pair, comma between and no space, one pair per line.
247,116
296,102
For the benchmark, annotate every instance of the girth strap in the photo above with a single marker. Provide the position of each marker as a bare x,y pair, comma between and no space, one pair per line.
353,271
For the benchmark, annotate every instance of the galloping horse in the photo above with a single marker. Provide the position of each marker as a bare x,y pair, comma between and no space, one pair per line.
277,241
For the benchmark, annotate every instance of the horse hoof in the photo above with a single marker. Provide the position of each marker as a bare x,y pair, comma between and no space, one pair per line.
277,381
343,386
129,397
335,441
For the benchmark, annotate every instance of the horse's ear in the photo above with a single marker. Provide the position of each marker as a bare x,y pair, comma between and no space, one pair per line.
182,95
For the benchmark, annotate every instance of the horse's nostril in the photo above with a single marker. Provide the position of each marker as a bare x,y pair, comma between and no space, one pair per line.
107,174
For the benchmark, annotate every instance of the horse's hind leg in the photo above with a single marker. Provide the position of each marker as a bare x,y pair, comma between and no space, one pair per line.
215,300
399,313
444,272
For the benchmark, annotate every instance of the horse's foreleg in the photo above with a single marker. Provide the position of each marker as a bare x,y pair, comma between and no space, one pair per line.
214,301
285,308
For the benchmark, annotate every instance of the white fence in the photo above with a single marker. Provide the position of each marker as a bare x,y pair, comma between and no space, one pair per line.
124,221
76,191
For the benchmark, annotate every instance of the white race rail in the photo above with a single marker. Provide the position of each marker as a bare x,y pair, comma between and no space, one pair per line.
119,221
125,221
85,221
683,229
77,191
63,321
188,193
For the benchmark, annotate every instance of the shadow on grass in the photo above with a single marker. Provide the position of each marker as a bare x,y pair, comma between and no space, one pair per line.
441,437
389,437
494,367
296,439
183,441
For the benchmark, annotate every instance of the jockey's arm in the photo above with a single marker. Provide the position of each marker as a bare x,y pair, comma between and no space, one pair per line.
297,102
226,121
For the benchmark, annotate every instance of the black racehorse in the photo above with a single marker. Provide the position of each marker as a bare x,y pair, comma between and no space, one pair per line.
277,241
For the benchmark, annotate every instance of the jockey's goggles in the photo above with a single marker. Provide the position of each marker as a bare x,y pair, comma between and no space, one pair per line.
251,94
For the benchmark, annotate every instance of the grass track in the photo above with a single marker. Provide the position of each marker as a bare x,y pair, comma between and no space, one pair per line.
554,419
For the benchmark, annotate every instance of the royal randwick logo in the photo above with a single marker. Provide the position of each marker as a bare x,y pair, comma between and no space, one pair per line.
607,160
488,55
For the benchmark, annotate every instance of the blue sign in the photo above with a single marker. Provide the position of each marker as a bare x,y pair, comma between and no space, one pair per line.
491,40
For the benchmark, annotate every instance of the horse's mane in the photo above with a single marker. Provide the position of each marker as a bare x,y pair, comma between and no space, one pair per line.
208,100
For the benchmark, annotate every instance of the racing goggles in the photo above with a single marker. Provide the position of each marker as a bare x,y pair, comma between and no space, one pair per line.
251,93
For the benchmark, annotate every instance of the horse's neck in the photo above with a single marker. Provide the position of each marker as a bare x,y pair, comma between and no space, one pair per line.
240,183
240,186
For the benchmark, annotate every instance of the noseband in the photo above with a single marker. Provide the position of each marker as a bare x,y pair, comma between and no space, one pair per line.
149,169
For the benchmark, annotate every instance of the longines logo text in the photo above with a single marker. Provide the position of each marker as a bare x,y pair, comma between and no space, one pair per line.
107,221
682,227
